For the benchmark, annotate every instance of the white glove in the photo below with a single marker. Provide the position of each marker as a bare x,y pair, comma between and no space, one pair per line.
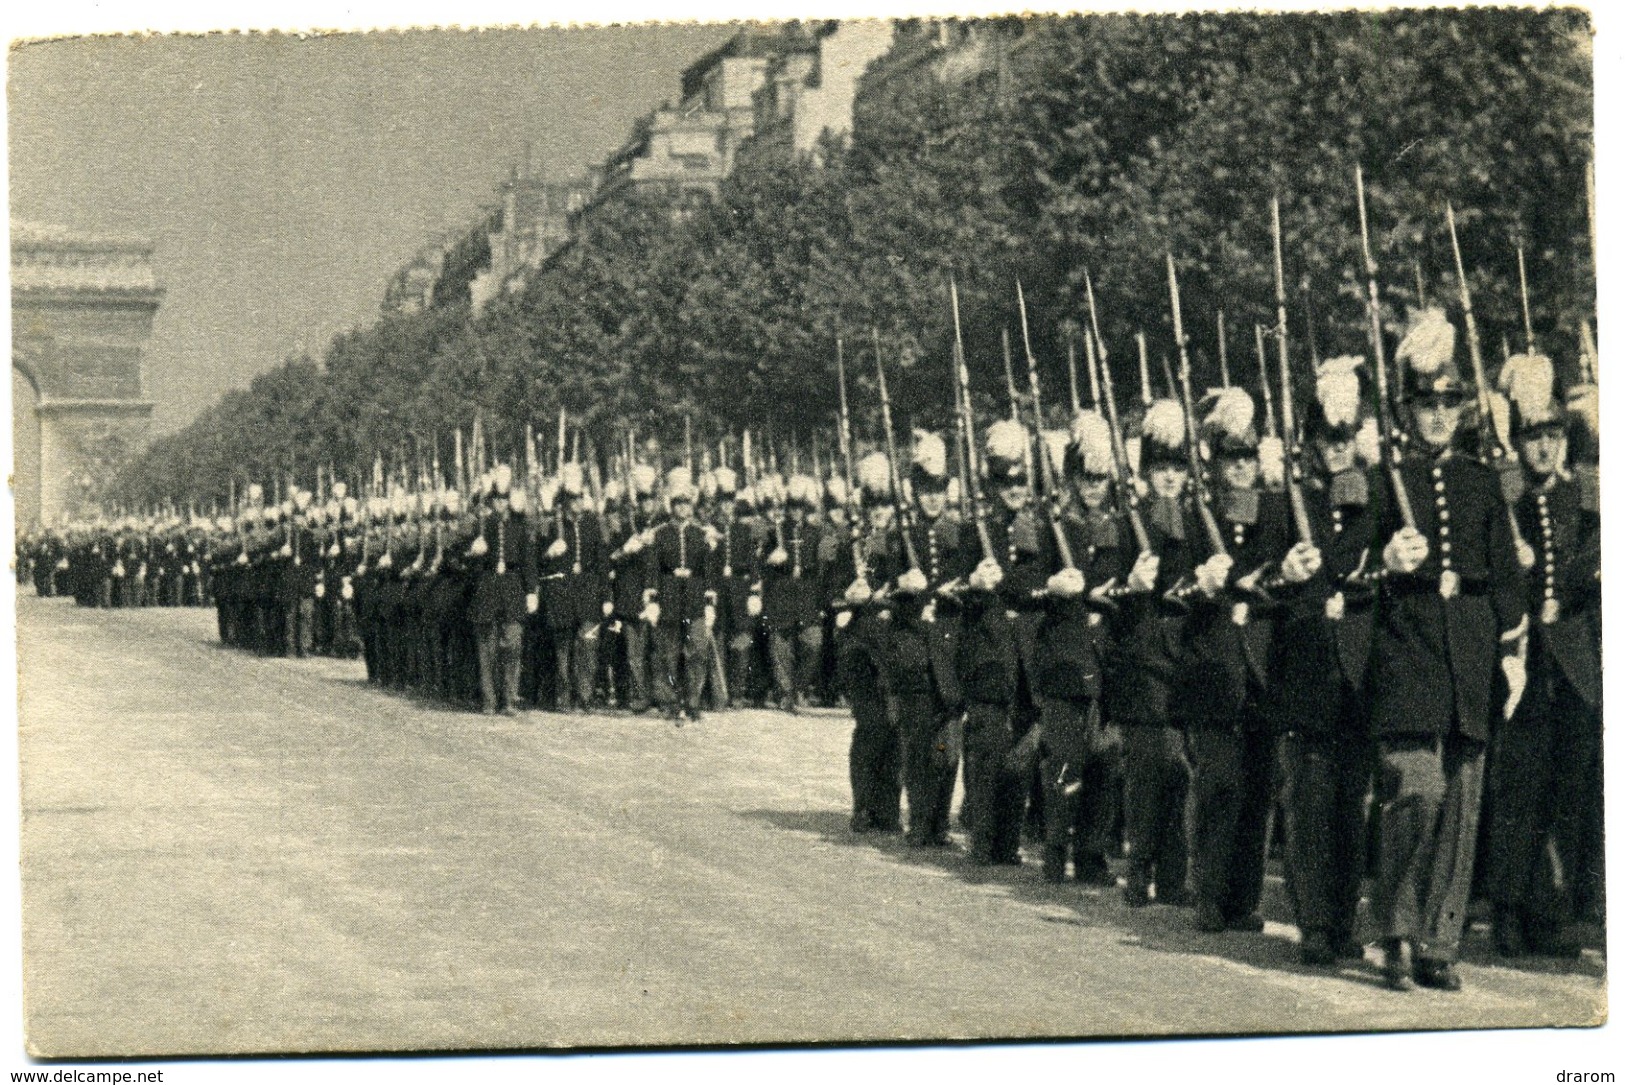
118,568
346,590
1214,573
609,608
987,575
242,559
1143,577
912,581
710,617
557,548
632,546
1526,555
1405,552
480,548
321,591
712,536
1068,584
1517,677
333,551
386,561
532,603
928,613
286,551
361,570
778,556
858,592
651,614
1301,563
753,606
195,570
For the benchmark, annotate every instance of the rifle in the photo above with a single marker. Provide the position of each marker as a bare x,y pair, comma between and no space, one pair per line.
905,520
1501,457
1289,422
1204,509
1145,370
1122,474
1523,294
1224,358
1385,421
844,438
1010,377
1046,470
1072,374
967,426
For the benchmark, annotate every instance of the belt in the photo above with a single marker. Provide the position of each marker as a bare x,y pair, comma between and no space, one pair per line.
1429,585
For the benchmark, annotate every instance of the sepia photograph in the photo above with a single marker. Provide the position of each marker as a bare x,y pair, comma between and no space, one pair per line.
920,542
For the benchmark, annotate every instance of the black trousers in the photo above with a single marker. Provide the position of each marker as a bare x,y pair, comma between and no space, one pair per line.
873,762
1082,780
995,797
1325,779
1156,781
1546,777
1231,778
928,773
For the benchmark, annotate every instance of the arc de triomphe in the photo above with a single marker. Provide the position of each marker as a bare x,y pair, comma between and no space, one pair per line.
81,313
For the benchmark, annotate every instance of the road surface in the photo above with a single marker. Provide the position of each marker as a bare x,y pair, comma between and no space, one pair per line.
226,853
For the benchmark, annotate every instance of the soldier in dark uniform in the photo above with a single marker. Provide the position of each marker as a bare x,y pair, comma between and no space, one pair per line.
1452,606
995,653
921,646
681,601
1147,630
739,603
1082,764
298,561
1547,764
1222,678
629,572
501,564
1318,668
792,607
574,579
861,630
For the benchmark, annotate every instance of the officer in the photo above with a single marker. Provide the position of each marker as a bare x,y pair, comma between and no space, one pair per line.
1451,610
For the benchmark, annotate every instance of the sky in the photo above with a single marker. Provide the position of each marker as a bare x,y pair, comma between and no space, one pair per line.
285,179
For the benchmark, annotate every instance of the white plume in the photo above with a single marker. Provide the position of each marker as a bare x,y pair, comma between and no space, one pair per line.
874,473
1337,386
1429,344
1272,462
1527,380
1165,423
1231,414
930,453
1092,435
1007,440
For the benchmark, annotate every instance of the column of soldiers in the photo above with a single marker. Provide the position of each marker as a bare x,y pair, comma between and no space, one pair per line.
1146,652
126,561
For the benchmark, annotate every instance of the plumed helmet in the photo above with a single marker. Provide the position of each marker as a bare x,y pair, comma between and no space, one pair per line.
643,479
1528,381
679,485
1427,355
770,490
929,467
614,491
1228,427
256,493
502,480
224,524
1162,435
1089,448
744,500
570,479
452,502
302,499
1335,412
803,490
727,481
339,490
518,499
707,484
874,476
1007,452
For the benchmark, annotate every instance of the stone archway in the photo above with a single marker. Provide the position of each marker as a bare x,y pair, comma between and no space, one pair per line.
81,313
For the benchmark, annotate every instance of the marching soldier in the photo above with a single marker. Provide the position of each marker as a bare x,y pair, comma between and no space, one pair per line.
502,564
995,654
1317,696
1081,767
792,607
1547,762
574,577
1223,673
1451,609
681,602
1147,629
629,572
